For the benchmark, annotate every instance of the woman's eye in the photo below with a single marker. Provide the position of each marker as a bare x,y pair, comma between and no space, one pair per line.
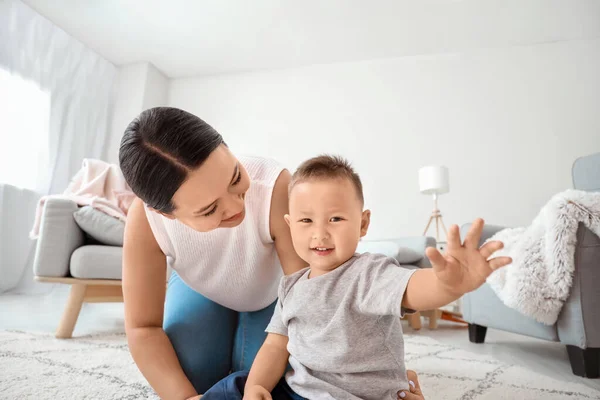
238,179
211,212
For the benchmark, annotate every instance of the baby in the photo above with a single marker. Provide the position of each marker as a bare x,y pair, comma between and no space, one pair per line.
337,322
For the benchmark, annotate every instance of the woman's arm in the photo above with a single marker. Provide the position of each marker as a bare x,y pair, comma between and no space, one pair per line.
280,231
144,282
270,363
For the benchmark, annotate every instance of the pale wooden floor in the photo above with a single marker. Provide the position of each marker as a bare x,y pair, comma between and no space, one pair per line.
41,313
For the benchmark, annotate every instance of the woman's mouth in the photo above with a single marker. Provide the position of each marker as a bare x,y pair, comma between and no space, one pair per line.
322,251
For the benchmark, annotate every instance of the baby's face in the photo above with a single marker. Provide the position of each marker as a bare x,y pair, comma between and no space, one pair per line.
326,222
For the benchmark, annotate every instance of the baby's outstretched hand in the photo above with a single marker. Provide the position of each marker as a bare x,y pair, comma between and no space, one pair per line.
465,267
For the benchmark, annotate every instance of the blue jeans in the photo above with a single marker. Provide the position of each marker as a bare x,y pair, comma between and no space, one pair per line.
210,340
232,388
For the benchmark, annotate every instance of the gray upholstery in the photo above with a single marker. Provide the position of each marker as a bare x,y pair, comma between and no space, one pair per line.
579,321
407,250
484,308
62,251
418,244
585,173
97,262
100,226
59,237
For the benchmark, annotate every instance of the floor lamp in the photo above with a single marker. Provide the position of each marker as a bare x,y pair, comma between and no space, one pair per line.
434,180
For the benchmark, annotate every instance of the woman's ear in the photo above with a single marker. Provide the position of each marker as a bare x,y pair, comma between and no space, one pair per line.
365,221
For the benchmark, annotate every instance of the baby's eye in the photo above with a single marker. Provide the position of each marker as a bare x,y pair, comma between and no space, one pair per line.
305,220
336,219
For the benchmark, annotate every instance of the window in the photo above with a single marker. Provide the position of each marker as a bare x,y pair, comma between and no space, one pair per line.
24,131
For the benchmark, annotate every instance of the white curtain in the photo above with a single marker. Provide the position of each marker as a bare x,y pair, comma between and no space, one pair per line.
80,85
24,126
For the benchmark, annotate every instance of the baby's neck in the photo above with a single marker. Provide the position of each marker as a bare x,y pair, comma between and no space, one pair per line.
315,272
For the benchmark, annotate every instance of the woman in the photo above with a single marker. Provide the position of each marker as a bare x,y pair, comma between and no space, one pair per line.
217,221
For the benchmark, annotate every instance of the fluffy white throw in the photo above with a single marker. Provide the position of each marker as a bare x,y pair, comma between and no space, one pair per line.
538,281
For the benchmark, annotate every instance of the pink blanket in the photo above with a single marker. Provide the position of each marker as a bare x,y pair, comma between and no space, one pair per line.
97,184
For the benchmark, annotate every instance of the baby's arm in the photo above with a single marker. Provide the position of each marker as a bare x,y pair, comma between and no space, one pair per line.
425,292
269,365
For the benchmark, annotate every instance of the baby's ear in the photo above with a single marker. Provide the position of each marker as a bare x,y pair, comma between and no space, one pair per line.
365,221
287,219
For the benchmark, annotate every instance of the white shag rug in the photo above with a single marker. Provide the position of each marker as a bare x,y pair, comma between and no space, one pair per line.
37,366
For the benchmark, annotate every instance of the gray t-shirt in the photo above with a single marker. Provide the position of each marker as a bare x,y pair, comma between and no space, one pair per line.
344,330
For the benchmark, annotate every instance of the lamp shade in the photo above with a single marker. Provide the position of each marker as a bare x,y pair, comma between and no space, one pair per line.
434,179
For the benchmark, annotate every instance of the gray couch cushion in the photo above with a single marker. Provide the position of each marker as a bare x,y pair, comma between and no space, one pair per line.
97,262
59,237
100,226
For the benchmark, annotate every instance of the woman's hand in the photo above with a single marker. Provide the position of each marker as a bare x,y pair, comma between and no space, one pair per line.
257,392
195,397
415,388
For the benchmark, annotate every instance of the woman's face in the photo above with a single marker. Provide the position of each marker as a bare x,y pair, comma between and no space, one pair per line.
213,195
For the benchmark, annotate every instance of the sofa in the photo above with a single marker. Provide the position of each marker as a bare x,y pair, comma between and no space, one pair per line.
578,325
67,254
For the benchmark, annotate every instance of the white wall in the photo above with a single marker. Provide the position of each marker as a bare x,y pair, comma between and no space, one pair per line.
139,86
508,122
131,80
157,88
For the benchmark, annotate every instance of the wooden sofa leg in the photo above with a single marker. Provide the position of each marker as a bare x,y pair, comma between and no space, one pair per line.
434,317
71,312
414,320
477,333
584,362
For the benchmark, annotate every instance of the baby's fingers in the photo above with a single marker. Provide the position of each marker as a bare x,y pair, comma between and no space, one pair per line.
490,248
437,259
499,262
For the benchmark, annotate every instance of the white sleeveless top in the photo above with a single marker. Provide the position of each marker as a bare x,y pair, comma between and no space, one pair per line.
235,267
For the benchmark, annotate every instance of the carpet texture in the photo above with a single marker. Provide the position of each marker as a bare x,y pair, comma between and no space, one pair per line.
36,366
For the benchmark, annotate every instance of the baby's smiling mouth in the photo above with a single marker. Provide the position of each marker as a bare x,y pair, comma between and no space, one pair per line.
322,251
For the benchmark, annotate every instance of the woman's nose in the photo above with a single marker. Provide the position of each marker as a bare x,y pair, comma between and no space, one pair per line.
235,202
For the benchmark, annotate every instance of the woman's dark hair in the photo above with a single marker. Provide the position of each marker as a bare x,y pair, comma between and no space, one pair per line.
158,150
